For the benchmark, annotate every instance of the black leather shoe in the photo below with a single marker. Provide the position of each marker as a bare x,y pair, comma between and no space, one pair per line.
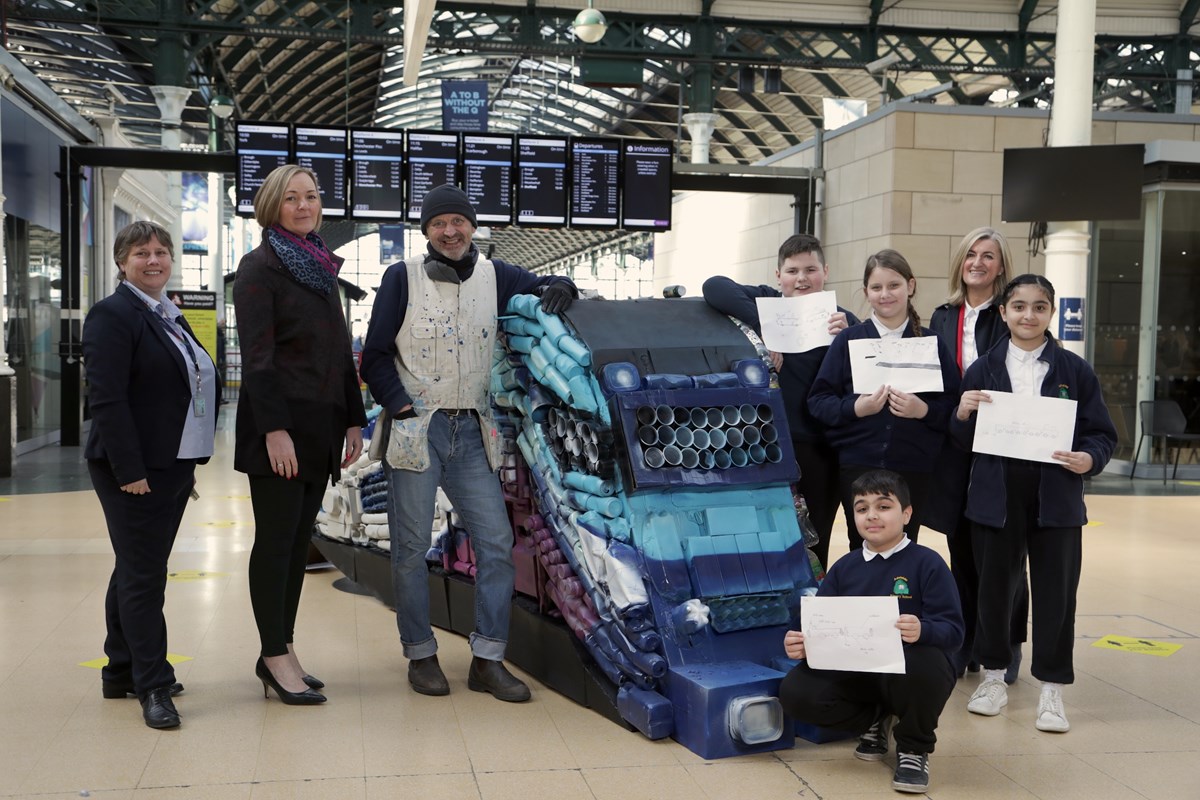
119,690
491,676
426,677
314,682
158,710
309,697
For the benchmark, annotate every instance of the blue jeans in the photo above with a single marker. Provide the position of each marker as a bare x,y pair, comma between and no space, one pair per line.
457,463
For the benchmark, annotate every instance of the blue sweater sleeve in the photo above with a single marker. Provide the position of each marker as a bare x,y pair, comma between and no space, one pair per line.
1095,433
737,299
941,611
378,366
830,399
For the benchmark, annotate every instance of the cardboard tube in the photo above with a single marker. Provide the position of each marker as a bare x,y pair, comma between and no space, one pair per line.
734,437
683,437
739,457
689,458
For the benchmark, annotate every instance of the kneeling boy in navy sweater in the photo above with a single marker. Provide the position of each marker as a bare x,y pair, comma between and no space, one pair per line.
931,628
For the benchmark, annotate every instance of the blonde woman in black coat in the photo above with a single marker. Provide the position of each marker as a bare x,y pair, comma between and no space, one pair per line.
300,413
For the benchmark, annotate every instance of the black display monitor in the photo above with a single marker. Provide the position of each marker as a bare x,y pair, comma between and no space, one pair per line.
260,148
487,176
1073,184
647,185
377,174
432,161
323,150
542,181
595,182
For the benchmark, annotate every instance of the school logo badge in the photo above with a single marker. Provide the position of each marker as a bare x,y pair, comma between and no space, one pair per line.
900,587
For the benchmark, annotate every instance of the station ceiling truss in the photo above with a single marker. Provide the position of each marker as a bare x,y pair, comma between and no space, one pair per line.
340,62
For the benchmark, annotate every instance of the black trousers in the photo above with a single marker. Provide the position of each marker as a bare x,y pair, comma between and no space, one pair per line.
918,485
819,484
851,701
966,578
1055,560
284,513
142,528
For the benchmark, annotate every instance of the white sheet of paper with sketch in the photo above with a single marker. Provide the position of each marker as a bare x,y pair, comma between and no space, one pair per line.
796,324
854,634
1020,426
910,365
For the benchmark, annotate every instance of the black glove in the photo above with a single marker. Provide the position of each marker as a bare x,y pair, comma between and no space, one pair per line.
557,298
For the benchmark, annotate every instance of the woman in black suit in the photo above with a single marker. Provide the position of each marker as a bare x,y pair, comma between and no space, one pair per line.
299,402
153,400
969,323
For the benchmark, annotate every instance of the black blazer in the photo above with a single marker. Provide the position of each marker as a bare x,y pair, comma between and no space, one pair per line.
139,387
944,507
298,372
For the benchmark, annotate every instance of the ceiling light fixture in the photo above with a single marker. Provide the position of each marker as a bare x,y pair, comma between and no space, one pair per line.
590,25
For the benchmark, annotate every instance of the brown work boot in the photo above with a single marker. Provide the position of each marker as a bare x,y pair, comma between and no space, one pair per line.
491,676
426,676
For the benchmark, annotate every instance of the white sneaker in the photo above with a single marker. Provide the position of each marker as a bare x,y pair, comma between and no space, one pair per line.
989,698
1050,713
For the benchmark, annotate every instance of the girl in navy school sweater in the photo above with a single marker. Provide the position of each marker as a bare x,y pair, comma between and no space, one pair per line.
889,428
1029,508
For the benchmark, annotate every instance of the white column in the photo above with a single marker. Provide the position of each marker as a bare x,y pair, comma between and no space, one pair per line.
700,126
1067,244
216,241
171,100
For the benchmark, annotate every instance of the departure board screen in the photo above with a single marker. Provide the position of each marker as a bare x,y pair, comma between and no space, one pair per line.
377,174
541,181
432,161
323,150
487,176
595,182
647,185
260,148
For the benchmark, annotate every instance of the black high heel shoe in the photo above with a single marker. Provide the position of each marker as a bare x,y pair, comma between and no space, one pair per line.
314,682
309,697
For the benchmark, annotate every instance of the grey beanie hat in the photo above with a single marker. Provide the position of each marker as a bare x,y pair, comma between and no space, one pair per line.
446,199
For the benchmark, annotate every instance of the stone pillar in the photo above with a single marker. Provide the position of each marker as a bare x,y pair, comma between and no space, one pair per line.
171,100
1067,244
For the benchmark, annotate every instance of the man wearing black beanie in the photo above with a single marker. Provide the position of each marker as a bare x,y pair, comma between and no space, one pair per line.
427,360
